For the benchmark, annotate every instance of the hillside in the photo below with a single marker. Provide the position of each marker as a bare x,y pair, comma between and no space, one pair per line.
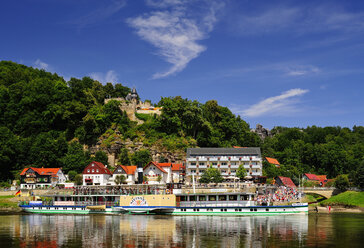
46,121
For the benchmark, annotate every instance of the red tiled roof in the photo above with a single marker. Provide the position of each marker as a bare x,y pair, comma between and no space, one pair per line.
42,171
177,167
156,165
100,166
272,161
129,169
287,182
312,177
322,177
164,164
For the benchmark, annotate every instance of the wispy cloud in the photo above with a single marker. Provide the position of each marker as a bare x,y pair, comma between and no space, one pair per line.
302,70
108,77
41,65
283,104
99,14
299,20
175,31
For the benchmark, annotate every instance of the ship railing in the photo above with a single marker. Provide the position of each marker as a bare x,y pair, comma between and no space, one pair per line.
84,203
216,204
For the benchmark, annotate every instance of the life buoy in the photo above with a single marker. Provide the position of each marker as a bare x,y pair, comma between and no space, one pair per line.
168,191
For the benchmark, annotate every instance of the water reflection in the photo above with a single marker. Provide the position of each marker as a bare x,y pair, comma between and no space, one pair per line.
179,231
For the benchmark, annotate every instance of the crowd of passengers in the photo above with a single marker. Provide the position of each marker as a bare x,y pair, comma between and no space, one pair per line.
118,191
282,194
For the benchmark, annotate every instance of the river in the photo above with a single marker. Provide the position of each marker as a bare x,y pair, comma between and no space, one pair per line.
314,230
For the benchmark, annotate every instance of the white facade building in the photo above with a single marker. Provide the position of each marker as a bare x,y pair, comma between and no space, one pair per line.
166,172
96,174
227,160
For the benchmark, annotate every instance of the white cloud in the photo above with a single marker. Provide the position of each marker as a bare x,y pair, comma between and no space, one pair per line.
299,20
99,14
277,105
175,32
108,77
41,65
302,70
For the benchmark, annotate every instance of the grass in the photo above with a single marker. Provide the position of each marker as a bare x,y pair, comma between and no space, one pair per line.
348,198
5,202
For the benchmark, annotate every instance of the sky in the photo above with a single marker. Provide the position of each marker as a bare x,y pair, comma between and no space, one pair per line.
276,63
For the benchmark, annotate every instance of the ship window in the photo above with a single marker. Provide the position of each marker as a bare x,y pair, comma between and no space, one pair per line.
267,209
233,197
225,210
40,207
255,209
236,210
222,197
212,198
64,208
192,198
251,210
239,209
222,210
202,198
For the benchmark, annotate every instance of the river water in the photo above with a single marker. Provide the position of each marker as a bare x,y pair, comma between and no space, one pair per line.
314,230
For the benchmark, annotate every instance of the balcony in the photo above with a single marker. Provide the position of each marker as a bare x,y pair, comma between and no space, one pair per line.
257,166
191,159
202,166
213,159
234,159
192,166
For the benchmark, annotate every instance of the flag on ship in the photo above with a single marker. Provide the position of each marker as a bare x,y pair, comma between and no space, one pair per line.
18,193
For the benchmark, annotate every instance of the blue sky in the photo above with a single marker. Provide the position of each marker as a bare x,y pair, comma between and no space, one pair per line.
278,63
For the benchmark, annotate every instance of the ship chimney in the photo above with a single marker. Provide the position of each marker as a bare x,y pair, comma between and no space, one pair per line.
140,173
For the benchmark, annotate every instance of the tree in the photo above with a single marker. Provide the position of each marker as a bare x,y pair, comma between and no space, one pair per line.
78,179
211,175
142,157
145,179
71,175
124,157
101,157
76,158
241,172
120,179
342,182
359,177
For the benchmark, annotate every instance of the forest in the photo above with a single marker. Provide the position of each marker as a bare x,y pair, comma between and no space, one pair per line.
46,121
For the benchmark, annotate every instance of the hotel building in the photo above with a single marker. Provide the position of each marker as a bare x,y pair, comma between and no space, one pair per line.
227,160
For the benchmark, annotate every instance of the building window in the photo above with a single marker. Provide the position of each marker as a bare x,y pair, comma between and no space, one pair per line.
97,170
223,163
93,170
214,163
201,163
193,163
88,170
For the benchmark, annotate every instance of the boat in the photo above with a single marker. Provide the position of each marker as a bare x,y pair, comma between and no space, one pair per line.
205,204
215,202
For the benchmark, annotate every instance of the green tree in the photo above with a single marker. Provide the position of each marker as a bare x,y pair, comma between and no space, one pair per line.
142,157
359,177
241,172
71,175
76,158
101,156
342,182
120,179
211,175
78,179
124,157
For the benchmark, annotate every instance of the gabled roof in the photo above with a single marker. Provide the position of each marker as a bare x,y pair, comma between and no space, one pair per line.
42,171
312,177
286,181
129,169
156,165
321,177
272,161
100,166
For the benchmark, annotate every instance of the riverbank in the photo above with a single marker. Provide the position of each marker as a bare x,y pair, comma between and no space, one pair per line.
9,203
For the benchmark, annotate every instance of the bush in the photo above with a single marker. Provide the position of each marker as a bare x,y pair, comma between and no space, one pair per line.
71,175
308,183
342,182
